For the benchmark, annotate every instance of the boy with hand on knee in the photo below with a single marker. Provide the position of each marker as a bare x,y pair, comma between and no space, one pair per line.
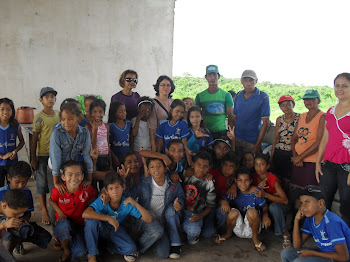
104,221
199,200
330,232
12,205
69,207
244,218
18,177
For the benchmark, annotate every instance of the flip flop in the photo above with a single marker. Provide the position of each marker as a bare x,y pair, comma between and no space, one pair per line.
259,248
45,221
219,239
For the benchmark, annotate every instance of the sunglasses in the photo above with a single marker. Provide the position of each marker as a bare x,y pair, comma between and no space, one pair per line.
128,79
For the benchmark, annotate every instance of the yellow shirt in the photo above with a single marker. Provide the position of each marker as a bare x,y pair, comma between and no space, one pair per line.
44,124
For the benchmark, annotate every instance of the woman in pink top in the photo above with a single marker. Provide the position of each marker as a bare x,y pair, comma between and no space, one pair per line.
164,88
306,140
334,150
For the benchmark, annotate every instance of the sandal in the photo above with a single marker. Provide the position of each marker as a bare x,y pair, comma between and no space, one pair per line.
45,221
260,247
219,239
287,241
66,260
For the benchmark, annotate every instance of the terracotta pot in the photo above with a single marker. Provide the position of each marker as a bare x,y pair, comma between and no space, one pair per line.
25,114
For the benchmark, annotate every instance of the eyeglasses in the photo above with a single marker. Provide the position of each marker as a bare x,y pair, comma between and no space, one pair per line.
167,85
128,79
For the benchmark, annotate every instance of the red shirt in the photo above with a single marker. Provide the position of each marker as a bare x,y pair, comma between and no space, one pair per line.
270,182
222,183
74,204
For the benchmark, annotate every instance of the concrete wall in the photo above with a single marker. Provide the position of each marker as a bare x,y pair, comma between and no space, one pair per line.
82,46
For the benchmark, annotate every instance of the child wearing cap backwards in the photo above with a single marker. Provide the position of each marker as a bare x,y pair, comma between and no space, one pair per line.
281,145
43,125
329,231
12,205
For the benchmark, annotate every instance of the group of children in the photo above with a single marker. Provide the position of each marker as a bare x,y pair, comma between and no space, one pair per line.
191,186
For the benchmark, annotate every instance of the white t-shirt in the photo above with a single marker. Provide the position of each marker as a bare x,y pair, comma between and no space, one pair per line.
143,138
157,201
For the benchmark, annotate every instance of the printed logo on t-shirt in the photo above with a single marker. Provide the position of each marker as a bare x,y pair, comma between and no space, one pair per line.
216,108
64,201
84,196
12,136
323,235
178,130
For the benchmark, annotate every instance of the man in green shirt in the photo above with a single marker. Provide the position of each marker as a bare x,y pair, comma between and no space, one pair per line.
217,104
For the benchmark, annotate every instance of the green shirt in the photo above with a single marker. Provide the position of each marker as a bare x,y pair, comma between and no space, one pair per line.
44,124
214,108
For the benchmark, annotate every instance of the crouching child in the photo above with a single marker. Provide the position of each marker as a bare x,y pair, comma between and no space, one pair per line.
243,213
13,204
69,207
164,200
18,177
104,221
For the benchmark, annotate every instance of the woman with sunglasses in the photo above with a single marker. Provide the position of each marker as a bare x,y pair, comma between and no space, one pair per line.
128,81
164,87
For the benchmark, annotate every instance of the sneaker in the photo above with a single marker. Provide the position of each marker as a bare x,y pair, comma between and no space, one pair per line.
194,241
175,252
131,258
19,250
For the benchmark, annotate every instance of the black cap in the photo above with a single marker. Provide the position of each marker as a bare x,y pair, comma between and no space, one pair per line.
314,191
46,90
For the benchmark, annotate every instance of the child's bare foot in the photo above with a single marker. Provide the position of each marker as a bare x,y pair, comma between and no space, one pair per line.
45,218
92,259
287,241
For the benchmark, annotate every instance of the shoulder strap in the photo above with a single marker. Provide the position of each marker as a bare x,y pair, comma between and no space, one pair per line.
161,105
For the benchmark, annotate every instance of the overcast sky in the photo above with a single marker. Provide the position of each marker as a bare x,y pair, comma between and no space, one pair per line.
301,41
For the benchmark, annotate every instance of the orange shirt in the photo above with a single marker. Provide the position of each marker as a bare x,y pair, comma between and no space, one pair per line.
307,135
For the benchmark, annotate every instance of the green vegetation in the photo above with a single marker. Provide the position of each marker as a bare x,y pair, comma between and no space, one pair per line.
188,86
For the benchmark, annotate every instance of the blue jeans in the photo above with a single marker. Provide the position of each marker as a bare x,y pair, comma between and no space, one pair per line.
153,235
209,228
43,176
335,178
278,212
40,236
173,220
118,242
64,229
290,255
221,220
194,229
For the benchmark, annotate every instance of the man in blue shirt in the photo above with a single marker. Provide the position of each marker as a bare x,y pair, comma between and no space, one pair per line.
251,115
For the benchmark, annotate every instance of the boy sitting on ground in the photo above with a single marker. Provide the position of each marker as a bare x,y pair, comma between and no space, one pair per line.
244,218
12,205
330,232
69,207
18,177
105,220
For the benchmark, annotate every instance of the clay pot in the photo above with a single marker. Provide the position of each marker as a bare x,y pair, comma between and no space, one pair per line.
25,115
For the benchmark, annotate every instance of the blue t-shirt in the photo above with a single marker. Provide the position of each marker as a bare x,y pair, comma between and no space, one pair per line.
8,138
203,141
119,214
26,190
120,138
168,132
245,201
249,113
332,230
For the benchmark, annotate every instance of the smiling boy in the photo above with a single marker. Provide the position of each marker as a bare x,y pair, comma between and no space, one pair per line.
329,231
